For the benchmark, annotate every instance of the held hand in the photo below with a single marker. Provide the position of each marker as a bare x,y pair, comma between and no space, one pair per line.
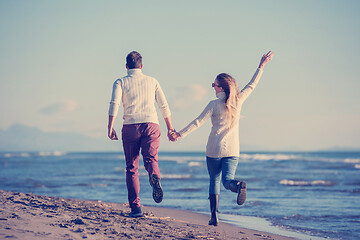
176,136
170,134
112,134
265,59
173,135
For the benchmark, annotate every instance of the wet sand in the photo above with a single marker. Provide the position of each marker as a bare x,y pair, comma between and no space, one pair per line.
28,216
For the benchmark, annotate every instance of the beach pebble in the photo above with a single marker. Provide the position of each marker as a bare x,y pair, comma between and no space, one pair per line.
63,225
78,221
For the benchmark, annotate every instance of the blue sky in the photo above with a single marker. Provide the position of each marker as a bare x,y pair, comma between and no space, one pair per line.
58,60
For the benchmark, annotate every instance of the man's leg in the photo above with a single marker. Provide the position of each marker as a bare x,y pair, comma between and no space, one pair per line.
150,142
131,144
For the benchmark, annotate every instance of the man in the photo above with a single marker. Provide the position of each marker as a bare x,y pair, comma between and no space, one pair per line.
139,93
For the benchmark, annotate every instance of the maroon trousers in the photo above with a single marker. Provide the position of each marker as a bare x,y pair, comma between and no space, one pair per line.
144,136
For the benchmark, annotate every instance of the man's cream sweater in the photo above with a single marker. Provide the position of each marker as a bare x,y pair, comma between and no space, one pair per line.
138,93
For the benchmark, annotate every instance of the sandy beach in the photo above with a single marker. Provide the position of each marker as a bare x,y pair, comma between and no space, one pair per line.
29,216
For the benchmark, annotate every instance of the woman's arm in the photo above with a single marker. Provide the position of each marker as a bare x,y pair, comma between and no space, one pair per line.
265,59
249,88
195,124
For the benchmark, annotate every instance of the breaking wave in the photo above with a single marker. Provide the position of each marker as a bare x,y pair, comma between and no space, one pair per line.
352,160
266,157
55,153
295,156
32,154
182,159
195,164
288,182
175,176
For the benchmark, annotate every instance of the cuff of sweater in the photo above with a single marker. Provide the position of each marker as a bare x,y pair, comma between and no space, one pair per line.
182,133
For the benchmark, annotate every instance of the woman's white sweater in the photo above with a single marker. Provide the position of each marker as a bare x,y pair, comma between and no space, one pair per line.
223,140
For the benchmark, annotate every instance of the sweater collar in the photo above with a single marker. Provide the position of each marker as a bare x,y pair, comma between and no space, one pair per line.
134,71
221,95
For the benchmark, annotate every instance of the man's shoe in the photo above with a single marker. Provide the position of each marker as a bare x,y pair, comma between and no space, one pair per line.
157,190
136,212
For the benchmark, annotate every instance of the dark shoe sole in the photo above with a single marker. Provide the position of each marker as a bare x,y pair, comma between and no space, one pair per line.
135,215
136,212
241,193
157,190
213,223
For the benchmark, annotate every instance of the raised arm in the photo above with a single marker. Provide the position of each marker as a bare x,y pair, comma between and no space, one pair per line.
249,88
265,59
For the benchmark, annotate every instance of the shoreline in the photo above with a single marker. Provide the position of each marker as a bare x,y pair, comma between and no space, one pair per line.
29,216
256,224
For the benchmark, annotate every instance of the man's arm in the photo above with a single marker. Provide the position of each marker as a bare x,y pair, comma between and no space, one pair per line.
168,123
170,128
164,109
111,132
113,109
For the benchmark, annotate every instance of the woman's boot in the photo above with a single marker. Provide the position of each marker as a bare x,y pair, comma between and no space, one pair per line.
239,187
214,203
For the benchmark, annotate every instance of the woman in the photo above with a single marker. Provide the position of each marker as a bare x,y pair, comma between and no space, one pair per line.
222,150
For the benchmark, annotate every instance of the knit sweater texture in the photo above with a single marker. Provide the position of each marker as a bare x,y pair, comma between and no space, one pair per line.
138,93
223,140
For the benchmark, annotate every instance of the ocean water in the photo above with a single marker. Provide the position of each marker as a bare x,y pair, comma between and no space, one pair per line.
312,193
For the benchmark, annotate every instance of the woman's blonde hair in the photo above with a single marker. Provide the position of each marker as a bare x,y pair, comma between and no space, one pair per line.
228,83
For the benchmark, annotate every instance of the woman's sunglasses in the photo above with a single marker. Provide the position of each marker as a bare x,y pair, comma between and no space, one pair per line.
214,84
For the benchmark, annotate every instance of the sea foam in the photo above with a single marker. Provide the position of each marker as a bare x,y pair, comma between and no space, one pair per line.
288,182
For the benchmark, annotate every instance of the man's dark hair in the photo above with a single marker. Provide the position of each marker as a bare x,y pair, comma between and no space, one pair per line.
134,60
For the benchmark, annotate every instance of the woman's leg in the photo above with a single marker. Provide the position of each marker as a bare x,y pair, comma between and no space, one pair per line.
228,167
214,169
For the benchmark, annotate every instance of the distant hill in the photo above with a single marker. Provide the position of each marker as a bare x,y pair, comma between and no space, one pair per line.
19,137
